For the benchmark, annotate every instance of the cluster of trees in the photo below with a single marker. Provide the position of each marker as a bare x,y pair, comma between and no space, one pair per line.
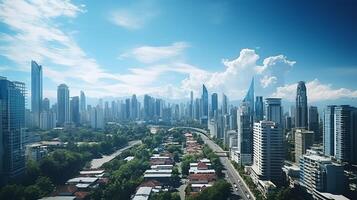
42,187
220,190
216,163
125,176
165,196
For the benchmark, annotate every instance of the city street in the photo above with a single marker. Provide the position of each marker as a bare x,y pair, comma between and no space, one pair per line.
231,173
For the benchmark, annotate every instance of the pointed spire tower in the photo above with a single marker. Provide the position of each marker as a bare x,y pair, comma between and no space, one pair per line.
249,97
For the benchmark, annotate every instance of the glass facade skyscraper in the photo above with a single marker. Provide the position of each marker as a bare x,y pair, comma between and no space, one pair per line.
12,123
328,130
63,112
36,92
301,106
204,99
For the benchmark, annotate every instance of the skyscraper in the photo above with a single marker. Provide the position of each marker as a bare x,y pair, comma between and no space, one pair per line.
82,102
329,130
268,151
204,99
345,134
301,106
259,109
74,107
36,92
245,134
134,107
224,104
63,114
273,110
249,98
214,110
314,123
191,107
12,122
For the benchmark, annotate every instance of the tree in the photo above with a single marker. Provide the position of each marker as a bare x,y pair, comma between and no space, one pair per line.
219,191
45,185
32,192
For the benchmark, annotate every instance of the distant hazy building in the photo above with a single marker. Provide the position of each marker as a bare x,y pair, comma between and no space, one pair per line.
134,108
318,173
36,92
301,106
224,104
268,152
191,106
82,102
303,141
45,104
63,112
274,110
329,130
259,109
12,124
97,117
74,107
314,123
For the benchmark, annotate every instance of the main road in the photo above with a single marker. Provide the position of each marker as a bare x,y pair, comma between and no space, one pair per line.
232,175
98,162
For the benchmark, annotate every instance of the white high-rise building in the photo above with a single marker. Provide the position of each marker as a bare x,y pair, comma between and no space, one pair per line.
318,173
268,151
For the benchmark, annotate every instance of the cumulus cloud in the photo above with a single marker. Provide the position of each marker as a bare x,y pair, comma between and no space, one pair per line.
150,54
316,91
234,80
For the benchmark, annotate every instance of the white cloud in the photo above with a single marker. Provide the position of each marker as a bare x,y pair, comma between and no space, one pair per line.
134,16
234,80
150,54
316,91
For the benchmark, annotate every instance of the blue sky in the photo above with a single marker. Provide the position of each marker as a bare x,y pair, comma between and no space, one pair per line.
168,48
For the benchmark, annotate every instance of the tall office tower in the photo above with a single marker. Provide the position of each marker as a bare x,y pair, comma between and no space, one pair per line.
214,110
74,107
245,135
329,130
273,110
259,109
36,92
288,125
234,118
249,99
82,102
204,99
45,104
106,112
268,152
345,134
319,174
224,104
147,100
134,108
63,114
12,124
127,108
314,123
292,113
197,109
301,106
191,107
303,141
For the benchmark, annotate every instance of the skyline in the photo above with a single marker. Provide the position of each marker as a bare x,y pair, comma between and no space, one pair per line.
137,51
